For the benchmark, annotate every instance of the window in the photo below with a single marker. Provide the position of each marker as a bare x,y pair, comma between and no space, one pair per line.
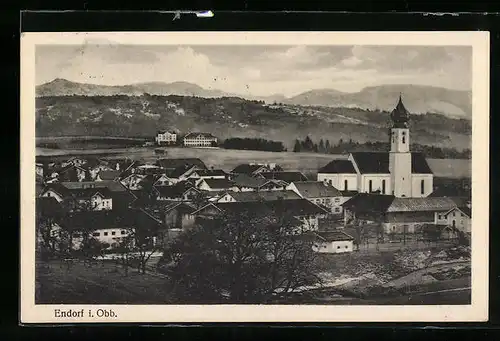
337,199
96,234
345,185
383,186
346,246
337,209
338,247
453,213
422,186
439,216
331,182
328,200
105,233
394,228
370,186
113,233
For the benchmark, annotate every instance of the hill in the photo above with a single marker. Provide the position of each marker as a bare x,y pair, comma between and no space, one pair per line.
129,116
418,99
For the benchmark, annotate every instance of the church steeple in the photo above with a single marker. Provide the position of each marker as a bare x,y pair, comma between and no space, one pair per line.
400,117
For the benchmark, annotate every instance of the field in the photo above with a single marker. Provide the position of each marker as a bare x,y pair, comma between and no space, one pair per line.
228,159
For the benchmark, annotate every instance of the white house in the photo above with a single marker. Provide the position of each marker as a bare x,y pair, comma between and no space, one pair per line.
199,140
460,218
319,193
333,242
399,172
166,137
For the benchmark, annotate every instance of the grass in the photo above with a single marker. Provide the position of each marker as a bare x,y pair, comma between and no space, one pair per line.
103,283
228,159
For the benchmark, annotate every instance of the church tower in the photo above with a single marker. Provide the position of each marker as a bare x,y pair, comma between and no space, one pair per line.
400,155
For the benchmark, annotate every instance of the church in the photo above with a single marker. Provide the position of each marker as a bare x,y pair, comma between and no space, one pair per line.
399,172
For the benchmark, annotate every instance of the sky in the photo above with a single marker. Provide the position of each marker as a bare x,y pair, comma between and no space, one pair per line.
258,70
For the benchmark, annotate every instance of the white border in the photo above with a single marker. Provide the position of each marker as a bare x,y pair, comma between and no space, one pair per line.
477,311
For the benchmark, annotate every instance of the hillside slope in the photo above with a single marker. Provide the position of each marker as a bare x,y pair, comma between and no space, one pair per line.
228,116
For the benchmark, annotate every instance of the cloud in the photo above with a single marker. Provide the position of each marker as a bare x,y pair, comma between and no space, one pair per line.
257,70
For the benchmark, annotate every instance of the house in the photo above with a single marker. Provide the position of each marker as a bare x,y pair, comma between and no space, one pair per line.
216,185
320,193
400,172
176,192
396,215
175,163
108,175
303,211
165,137
178,215
200,140
75,161
257,196
121,197
72,173
165,180
333,242
39,169
287,177
247,183
112,227
148,169
88,198
94,170
254,168
459,218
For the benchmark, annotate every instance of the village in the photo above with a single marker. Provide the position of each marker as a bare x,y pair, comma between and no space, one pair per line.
368,202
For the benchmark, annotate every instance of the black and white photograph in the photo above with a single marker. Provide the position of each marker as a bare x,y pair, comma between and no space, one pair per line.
305,171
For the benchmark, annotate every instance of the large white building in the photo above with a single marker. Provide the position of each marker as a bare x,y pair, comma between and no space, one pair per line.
166,137
399,172
199,140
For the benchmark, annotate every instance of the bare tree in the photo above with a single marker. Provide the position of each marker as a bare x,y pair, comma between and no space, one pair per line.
246,256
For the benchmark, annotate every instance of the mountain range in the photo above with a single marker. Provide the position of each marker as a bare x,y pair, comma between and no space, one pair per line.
417,98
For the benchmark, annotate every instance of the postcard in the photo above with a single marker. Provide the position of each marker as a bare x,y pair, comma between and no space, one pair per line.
181,177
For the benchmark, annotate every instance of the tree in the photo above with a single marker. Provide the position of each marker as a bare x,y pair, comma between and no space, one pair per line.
244,257
327,146
297,148
321,146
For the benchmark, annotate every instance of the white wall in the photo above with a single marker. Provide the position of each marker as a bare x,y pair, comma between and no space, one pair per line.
428,185
376,183
333,247
338,180
98,203
462,222
104,236
401,177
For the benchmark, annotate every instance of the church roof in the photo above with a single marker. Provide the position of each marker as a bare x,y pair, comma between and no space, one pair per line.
378,163
338,167
400,116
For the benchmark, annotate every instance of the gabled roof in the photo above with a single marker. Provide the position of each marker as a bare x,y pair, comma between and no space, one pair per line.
246,168
176,163
90,192
210,172
284,176
338,167
195,135
244,180
264,196
366,202
333,236
464,209
429,204
378,163
219,183
316,189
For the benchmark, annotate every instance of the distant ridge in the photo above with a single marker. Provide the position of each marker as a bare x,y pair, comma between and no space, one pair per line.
417,98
